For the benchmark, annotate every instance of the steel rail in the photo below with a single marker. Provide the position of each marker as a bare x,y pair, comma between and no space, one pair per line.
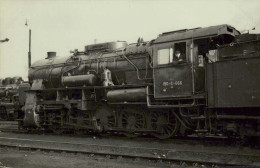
162,152
127,147
171,155
209,139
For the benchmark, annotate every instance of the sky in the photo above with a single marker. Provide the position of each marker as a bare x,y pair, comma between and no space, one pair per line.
66,25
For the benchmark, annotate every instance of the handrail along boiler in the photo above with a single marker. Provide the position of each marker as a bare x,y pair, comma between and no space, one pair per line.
202,80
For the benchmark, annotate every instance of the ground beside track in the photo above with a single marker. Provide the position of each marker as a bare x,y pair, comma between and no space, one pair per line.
14,158
129,149
177,149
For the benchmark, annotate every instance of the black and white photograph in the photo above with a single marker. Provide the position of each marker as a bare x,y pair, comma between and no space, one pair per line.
129,83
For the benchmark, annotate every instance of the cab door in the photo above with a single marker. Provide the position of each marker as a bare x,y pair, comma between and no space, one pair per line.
172,76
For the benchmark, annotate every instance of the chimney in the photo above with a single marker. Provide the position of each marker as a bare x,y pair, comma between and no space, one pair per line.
51,55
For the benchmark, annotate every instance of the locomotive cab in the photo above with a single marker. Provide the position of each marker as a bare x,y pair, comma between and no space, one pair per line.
180,58
172,70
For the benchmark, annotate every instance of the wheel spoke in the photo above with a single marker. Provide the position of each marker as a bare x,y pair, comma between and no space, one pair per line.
166,131
169,130
171,124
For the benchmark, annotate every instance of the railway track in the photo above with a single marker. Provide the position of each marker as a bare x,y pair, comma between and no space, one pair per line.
189,150
12,126
172,154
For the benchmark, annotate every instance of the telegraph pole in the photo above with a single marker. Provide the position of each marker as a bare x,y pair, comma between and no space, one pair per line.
29,53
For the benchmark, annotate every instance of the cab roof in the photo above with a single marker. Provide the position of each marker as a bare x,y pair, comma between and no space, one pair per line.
196,33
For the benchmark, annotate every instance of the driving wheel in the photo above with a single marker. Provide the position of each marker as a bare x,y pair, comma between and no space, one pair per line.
132,121
105,117
165,124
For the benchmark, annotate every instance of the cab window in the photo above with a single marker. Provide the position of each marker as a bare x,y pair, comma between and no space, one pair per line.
212,56
165,56
180,51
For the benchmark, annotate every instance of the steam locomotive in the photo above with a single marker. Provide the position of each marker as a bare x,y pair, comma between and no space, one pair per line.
203,81
9,104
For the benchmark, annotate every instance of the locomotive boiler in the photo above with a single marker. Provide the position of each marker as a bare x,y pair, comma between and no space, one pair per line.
202,80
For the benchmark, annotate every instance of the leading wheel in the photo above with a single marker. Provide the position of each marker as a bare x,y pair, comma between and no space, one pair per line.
164,123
